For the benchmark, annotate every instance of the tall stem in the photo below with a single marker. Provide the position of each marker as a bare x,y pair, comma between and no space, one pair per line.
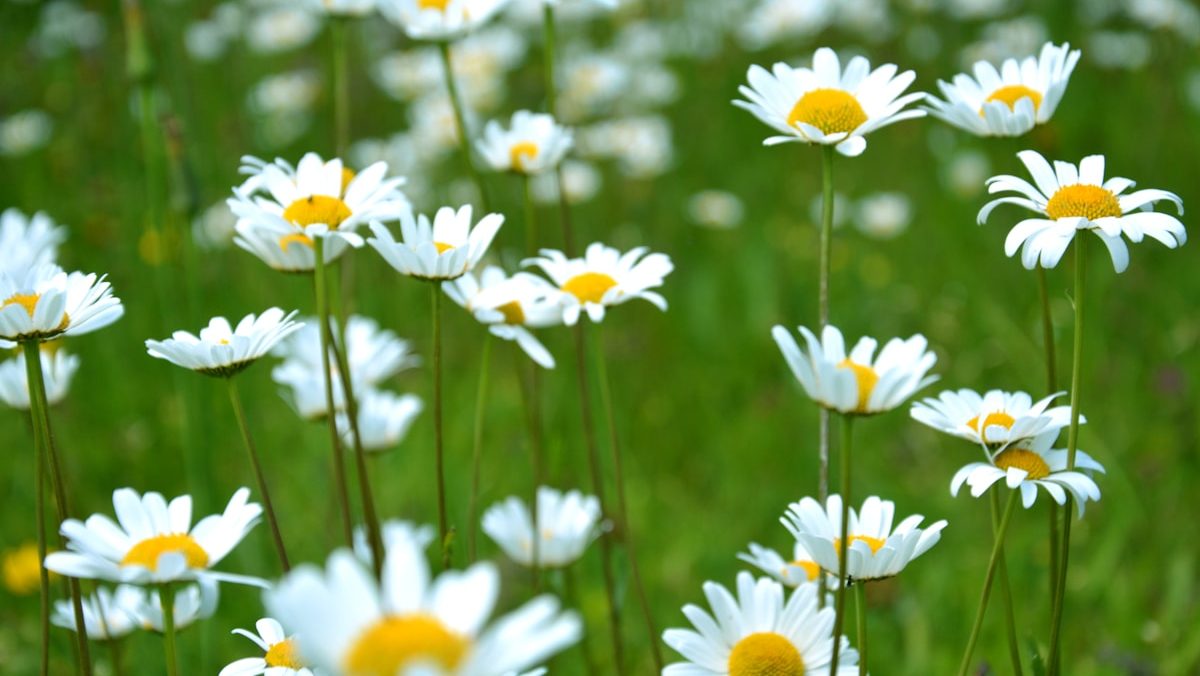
531,400
460,119
843,543
548,52
335,442
993,562
860,605
532,237
341,85
114,654
443,523
1051,388
43,574
485,364
268,506
166,596
1010,622
822,320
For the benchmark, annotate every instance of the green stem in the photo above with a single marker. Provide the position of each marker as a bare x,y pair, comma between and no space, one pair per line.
531,401
268,506
341,85
335,442
464,138
477,453
114,653
1010,622
843,543
1051,387
548,53
860,597
826,246
43,574
166,596
443,523
993,563
531,225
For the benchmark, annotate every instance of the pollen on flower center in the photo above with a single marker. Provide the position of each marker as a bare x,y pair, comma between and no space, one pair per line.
994,419
811,568
146,552
1022,459
26,300
1010,94
867,379
442,247
296,238
522,152
513,313
765,654
589,287
1083,201
874,543
830,110
284,654
316,209
395,642
439,5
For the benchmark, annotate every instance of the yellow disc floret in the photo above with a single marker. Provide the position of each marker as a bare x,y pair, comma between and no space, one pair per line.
513,313
22,569
442,247
1010,94
1020,458
296,238
393,643
589,287
285,654
867,379
874,543
316,209
830,110
522,152
1083,201
29,301
765,654
994,419
439,5
146,552
811,568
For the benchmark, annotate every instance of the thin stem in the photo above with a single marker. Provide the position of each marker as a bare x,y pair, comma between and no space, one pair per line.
1010,622
574,600
822,320
531,225
993,563
43,574
1051,387
843,543
341,86
477,453
114,654
860,605
268,506
166,596
531,401
464,138
548,53
443,524
335,442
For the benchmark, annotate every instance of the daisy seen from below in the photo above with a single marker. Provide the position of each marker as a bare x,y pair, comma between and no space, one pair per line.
384,419
827,104
801,568
223,350
439,20
45,302
394,531
413,624
510,306
1031,465
1008,101
28,241
763,630
109,614
281,653
153,542
441,250
1071,198
859,382
567,524
878,548
58,368
192,603
534,143
993,419
602,278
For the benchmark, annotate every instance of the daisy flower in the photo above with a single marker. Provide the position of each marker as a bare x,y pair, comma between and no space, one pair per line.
192,603
826,104
21,567
801,568
402,533
384,419
439,20
281,653
45,303
413,624
445,249
602,278
1069,199
28,241
534,143
107,615
876,550
153,542
567,524
58,368
342,8
993,419
859,382
764,630
1030,465
222,350
510,306
1009,101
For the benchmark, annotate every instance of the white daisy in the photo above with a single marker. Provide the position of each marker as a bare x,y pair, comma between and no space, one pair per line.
46,302
826,104
394,531
510,306
994,419
28,241
281,653
876,550
602,278
801,568
762,631
58,368
222,350
1009,101
384,419
439,20
155,542
1030,465
859,382
107,615
567,524
446,249
192,603
1069,199
412,624
533,144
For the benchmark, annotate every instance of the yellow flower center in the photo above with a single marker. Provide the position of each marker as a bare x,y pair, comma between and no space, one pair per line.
1010,94
439,5
995,419
146,552
285,654
395,642
347,178
521,153
22,569
513,313
830,110
316,209
765,654
29,301
1022,459
874,543
589,287
1082,200
810,568
442,247
867,379
297,238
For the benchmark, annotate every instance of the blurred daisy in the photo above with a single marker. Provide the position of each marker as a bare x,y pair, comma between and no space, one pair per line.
859,382
222,350
384,419
876,550
445,249
394,531
107,614
510,306
1030,465
153,542
46,302
58,368
567,524
341,8
763,630
414,624
533,144
801,568
826,104
439,20
28,241
715,209
192,603
994,419
22,569
603,277
1011,101
1070,198
884,215
281,653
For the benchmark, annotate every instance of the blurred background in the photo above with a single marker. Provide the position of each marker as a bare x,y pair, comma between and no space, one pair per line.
718,436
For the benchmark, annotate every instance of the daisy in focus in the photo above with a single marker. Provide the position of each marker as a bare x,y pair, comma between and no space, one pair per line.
107,615
763,630
153,542
58,368
45,302
281,654
222,350
1072,198
859,382
994,419
439,20
876,550
534,143
28,241
446,248
602,278
384,419
827,104
567,524
510,306
1009,101
801,568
